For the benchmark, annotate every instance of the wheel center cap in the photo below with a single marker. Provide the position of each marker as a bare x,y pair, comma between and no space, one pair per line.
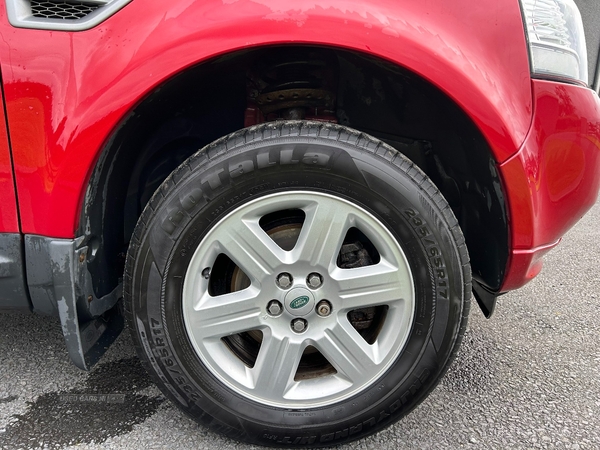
299,301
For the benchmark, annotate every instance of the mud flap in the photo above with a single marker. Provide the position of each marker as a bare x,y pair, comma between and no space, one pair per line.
485,298
60,284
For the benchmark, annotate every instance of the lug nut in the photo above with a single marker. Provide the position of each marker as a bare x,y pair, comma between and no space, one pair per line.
323,308
274,308
284,280
314,280
299,325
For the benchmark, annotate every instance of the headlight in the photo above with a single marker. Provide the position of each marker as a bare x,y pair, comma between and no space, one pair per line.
556,39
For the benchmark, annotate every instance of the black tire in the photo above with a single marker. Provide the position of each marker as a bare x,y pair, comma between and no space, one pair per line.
306,157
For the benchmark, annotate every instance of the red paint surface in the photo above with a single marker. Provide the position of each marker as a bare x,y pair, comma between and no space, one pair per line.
67,92
555,177
8,205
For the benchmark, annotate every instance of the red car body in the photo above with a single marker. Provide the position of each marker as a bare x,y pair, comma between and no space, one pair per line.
73,89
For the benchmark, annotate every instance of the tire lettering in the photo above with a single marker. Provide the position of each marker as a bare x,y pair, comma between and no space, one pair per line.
174,217
433,251
394,406
341,434
156,325
286,157
327,437
383,414
423,231
262,160
241,168
213,179
287,183
161,353
320,159
356,429
192,199
259,188
371,422
299,440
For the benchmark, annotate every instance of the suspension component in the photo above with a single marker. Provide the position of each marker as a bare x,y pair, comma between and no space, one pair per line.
293,86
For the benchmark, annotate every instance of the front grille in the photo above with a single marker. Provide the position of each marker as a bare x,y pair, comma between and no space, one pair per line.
60,9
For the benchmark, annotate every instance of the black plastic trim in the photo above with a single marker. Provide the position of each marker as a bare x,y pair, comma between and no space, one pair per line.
486,299
60,285
13,287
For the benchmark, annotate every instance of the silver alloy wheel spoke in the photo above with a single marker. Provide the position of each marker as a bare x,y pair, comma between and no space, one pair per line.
276,364
348,352
374,285
271,378
227,314
250,248
322,234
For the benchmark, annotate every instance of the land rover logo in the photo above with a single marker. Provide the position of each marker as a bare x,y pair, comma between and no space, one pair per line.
299,302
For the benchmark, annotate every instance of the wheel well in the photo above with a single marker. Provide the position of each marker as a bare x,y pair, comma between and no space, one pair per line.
216,98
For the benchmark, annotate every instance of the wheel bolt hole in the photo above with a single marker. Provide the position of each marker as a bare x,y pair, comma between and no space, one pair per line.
299,325
284,280
324,308
314,280
275,308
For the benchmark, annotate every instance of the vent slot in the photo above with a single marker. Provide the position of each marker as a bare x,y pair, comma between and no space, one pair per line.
61,9
61,15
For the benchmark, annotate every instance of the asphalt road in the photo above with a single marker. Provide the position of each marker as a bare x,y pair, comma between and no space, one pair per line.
590,11
527,378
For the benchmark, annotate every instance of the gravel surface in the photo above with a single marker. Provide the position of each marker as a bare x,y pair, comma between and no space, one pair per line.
527,378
